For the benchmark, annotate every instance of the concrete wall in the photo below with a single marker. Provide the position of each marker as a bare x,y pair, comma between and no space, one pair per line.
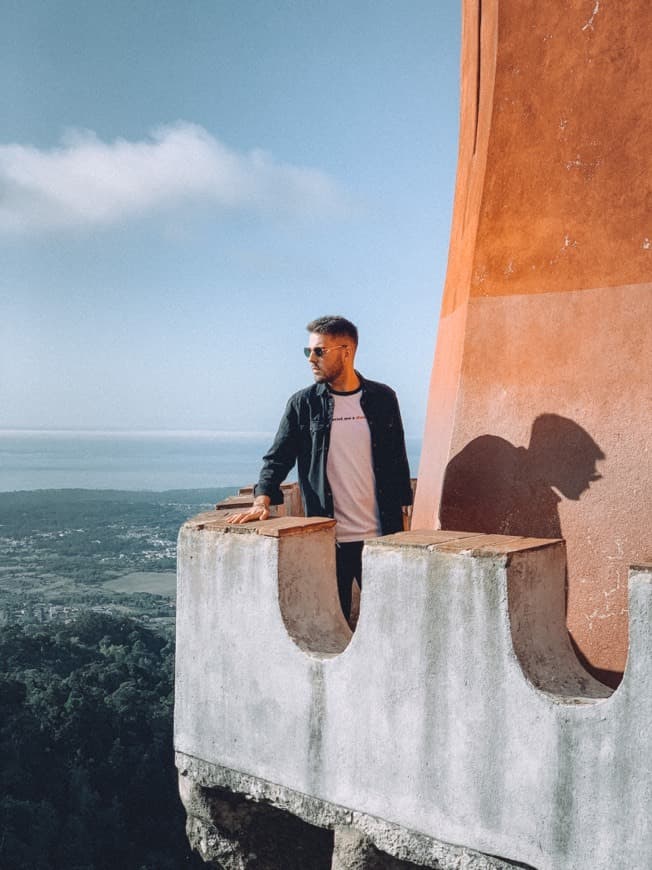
547,310
455,724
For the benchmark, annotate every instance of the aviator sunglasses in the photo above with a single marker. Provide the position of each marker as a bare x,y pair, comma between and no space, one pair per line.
319,352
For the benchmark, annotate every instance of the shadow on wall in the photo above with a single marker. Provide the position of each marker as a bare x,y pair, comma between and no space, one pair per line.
491,486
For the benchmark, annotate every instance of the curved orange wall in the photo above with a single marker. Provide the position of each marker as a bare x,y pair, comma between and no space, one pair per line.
547,311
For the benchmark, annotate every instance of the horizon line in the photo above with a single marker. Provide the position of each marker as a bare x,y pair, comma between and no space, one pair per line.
162,433
152,432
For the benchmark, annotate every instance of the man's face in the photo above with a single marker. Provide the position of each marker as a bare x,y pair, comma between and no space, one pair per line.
331,365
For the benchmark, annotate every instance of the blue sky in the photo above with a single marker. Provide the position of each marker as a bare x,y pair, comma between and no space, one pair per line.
183,185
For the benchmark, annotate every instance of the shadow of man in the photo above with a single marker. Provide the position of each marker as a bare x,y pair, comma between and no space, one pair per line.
491,486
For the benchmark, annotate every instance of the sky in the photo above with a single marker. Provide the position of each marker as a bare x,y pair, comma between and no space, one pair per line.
184,184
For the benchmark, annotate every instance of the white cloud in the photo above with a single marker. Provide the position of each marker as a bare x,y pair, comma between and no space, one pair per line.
88,182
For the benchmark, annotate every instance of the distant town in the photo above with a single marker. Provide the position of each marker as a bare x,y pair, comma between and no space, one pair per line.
111,552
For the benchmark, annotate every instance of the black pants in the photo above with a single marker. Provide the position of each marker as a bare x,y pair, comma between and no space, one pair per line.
348,558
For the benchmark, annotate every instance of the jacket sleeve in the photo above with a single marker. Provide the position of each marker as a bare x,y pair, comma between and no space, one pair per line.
280,457
401,464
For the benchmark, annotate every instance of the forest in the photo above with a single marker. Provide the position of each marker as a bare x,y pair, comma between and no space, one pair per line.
87,780
87,775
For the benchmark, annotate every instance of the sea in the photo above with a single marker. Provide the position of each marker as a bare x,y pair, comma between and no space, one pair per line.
33,459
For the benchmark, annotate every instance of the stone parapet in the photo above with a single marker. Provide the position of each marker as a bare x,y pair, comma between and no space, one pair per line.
455,725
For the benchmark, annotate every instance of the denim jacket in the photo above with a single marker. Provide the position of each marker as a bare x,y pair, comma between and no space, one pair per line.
304,436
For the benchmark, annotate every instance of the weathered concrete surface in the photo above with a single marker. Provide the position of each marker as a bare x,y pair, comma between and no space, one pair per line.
547,308
457,713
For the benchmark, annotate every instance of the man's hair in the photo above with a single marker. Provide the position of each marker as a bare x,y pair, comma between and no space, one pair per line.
334,325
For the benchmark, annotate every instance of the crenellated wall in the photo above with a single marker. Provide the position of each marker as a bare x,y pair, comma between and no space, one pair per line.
454,728
542,374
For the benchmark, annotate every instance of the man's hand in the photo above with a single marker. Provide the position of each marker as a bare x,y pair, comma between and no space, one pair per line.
258,511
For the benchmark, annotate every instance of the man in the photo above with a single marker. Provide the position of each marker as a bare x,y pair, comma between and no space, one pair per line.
346,435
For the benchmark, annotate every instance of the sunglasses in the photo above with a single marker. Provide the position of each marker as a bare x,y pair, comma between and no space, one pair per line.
319,352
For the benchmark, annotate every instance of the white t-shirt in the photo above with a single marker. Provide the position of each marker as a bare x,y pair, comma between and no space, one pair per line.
350,471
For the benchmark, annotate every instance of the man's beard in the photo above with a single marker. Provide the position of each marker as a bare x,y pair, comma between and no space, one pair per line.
322,378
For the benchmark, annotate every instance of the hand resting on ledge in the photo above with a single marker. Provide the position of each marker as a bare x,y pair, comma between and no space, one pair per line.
258,511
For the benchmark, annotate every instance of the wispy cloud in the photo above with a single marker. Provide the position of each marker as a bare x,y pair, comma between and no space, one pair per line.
87,182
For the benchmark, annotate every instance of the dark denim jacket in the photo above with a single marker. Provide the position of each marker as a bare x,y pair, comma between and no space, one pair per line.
304,435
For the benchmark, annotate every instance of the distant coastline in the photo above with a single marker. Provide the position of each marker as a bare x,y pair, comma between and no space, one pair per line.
154,459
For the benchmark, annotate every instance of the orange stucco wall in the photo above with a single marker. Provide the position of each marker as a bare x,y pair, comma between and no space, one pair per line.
543,370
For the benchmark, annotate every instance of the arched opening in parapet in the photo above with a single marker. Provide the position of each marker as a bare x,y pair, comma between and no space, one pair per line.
307,593
536,613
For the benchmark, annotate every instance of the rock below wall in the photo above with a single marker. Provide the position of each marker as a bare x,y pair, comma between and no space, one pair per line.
287,831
